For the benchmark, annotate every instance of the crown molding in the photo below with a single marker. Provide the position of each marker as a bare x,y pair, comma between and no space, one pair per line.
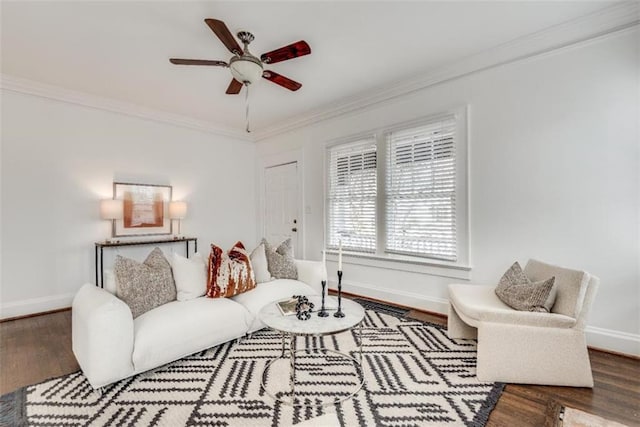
612,20
30,87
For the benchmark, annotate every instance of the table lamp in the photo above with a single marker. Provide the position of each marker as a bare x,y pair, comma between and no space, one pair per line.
111,209
178,210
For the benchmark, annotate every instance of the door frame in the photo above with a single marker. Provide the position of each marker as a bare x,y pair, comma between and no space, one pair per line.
293,156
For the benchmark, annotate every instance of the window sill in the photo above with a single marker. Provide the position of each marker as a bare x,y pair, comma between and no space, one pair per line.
404,263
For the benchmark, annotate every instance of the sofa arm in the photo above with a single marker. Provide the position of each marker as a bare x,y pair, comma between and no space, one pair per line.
312,273
102,333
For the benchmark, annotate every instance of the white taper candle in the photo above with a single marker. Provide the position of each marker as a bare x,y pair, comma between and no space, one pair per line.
324,265
339,255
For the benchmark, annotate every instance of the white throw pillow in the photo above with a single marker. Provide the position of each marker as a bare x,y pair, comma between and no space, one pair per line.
190,275
109,284
259,264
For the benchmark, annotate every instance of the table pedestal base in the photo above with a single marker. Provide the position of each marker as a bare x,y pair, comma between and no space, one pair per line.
292,401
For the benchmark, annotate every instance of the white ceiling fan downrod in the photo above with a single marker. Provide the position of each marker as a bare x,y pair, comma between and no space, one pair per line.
246,101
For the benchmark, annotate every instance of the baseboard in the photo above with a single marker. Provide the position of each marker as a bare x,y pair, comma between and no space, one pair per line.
27,316
35,305
615,341
610,340
406,299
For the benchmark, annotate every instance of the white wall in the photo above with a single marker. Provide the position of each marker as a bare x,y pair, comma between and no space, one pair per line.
554,174
59,159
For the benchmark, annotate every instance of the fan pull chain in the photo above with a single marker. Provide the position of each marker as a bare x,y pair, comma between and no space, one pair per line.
246,101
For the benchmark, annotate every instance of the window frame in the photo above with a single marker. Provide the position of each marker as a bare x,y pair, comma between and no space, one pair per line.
416,263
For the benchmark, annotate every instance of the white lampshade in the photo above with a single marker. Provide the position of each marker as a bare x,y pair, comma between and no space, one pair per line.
111,209
245,71
177,210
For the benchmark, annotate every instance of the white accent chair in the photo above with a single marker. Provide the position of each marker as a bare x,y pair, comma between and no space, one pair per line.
527,347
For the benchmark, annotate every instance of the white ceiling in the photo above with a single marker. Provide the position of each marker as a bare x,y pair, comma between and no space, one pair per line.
120,49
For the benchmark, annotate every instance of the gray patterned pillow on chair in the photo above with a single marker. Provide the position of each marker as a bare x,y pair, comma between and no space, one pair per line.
280,261
518,292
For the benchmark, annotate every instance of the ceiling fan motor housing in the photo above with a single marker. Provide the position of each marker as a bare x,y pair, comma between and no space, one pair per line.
246,69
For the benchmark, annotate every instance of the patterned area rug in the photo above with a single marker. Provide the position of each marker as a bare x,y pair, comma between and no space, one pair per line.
415,376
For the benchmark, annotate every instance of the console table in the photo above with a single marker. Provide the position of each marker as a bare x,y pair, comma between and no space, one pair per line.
100,246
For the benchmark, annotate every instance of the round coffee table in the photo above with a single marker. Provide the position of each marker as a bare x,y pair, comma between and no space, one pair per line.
292,327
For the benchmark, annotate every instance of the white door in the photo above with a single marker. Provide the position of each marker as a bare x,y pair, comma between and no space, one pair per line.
281,204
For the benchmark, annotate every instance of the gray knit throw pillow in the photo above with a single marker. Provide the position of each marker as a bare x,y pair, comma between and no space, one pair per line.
280,261
144,286
517,291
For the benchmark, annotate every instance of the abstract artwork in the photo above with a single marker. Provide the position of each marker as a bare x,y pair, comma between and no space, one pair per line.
145,209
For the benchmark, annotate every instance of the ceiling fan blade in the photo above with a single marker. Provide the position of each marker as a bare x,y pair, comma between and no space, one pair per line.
225,36
281,80
291,51
179,61
234,87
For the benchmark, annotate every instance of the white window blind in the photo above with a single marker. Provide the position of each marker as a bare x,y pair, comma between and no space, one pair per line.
352,196
421,191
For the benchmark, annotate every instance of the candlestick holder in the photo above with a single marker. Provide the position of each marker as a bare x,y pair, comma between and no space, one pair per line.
339,313
323,312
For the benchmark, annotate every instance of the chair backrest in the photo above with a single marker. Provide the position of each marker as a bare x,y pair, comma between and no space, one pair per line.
576,289
592,289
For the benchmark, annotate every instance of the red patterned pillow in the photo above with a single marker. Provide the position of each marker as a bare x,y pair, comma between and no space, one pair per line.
229,273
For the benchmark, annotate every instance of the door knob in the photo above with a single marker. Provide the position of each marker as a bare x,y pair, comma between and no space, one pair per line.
294,229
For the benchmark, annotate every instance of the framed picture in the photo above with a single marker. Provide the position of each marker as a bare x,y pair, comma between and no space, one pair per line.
145,209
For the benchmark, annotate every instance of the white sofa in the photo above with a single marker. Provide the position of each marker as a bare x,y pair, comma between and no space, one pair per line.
111,345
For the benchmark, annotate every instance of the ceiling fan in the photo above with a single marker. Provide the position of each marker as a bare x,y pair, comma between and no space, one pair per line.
245,67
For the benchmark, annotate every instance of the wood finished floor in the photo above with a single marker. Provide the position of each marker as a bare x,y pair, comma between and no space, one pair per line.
37,348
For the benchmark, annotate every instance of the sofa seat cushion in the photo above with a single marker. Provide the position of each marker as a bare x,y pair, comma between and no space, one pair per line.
265,293
180,328
481,304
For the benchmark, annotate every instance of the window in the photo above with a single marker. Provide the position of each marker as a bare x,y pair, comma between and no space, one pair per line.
402,192
421,191
352,196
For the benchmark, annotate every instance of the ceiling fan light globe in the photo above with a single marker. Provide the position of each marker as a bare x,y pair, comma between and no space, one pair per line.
245,71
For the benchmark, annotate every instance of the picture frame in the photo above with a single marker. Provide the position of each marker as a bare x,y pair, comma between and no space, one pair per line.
145,209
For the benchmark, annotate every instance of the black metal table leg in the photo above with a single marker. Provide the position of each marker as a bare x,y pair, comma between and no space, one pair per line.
96,250
101,268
